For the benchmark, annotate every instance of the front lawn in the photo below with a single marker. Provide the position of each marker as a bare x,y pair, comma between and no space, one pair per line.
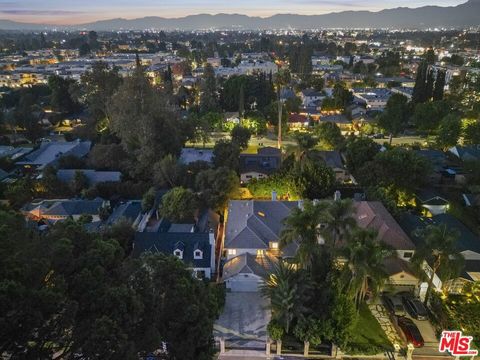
368,337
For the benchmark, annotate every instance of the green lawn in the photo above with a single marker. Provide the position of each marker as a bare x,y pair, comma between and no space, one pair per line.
368,337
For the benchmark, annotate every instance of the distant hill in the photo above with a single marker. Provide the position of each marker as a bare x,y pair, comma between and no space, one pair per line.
463,15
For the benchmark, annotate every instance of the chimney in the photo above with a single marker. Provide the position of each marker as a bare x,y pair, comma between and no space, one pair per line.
274,195
300,204
337,195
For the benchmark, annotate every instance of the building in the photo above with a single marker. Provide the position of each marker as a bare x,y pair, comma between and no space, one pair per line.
333,160
254,227
62,209
189,155
372,98
50,152
93,176
195,249
310,97
466,153
260,165
373,215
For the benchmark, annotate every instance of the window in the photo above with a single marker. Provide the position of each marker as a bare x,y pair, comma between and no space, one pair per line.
259,252
178,253
198,254
273,245
232,251
200,274
408,255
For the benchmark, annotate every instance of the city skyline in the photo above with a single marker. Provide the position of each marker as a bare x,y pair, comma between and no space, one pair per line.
56,12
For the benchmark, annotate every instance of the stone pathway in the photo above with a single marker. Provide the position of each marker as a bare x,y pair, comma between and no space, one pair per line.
380,313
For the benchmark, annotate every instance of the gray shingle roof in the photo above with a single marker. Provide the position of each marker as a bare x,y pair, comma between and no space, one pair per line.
167,243
252,224
93,176
248,264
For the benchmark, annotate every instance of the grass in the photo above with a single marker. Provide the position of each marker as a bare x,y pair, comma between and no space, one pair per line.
368,337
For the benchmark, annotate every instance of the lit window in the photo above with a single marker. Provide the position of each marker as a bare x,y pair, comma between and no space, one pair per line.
232,251
274,245
259,252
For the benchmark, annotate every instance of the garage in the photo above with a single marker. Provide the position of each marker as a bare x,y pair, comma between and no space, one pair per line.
244,273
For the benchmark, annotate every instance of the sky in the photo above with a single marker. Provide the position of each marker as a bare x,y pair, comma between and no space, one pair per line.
69,12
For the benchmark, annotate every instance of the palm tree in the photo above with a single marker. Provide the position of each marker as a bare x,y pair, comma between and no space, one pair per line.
439,251
340,220
364,270
286,287
303,227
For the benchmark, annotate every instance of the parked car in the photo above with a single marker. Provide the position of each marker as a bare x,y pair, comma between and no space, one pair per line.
394,304
411,331
415,308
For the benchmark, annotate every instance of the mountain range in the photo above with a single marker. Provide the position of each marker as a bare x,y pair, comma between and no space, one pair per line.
462,15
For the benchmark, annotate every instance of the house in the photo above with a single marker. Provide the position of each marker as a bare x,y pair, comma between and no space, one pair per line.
195,249
57,210
373,215
296,121
310,96
50,152
403,90
437,160
372,98
341,121
190,155
246,272
471,200
130,211
468,245
93,176
254,227
433,202
466,153
401,275
333,160
259,165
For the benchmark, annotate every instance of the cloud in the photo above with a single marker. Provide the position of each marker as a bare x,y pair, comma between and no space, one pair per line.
40,12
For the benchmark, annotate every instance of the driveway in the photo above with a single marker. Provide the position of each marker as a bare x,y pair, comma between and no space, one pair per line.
244,320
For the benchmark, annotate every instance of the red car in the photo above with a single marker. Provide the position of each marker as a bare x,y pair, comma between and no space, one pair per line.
411,331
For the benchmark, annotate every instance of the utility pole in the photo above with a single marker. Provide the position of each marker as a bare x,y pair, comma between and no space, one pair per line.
280,108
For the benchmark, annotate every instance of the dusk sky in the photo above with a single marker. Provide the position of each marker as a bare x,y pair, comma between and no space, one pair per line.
81,11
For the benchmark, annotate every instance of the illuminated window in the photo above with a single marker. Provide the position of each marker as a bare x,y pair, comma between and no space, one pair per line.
274,245
232,251
259,252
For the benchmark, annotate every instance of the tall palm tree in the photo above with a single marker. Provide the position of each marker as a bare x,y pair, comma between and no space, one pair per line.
364,269
303,227
340,220
287,288
439,251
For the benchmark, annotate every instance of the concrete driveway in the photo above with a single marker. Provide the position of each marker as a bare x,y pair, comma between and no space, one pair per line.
244,320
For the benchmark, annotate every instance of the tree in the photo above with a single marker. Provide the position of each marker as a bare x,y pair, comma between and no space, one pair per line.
364,269
395,116
430,56
216,187
226,154
427,115
439,85
419,90
141,116
168,172
286,288
330,136
148,199
439,250
303,226
79,182
449,131
305,142
107,157
208,94
19,193
313,179
241,136
340,220
311,331
471,132
359,150
341,96
61,97
179,205
100,84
